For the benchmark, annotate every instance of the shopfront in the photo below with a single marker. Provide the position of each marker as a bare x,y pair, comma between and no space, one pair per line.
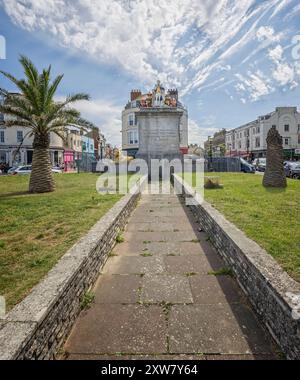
69,163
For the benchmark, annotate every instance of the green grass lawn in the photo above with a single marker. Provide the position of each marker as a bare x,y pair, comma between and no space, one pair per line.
270,217
36,230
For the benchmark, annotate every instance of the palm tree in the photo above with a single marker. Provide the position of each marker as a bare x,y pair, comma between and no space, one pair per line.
35,109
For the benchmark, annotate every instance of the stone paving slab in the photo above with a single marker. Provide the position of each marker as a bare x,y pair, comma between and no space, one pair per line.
174,248
172,357
175,212
153,218
161,227
111,329
134,265
241,357
228,329
209,289
135,357
164,288
192,264
129,248
118,288
188,235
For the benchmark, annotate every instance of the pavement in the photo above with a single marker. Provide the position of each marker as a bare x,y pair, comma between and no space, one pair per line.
157,296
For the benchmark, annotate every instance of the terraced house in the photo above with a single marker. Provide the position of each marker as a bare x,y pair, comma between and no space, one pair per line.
250,140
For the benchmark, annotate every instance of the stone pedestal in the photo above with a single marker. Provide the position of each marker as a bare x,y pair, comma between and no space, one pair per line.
159,133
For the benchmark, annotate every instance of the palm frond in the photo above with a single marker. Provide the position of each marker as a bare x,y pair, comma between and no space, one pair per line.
30,70
18,123
76,98
52,89
8,110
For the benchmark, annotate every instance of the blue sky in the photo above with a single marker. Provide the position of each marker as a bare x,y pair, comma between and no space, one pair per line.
230,60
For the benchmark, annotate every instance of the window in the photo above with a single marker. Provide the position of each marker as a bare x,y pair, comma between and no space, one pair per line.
298,127
2,139
19,136
273,125
286,141
131,119
286,128
132,137
257,142
92,147
240,145
258,130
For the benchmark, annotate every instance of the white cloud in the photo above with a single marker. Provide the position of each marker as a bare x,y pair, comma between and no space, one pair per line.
199,131
284,73
267,33
105,115
181,42
276,53
255,85
190,44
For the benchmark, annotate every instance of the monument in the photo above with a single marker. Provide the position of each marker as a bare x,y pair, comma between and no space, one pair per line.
274,175
158,123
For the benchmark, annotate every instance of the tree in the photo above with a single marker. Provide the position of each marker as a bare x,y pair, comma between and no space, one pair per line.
274,175
35,109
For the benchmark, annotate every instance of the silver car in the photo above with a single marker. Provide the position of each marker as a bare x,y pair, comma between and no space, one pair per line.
292,170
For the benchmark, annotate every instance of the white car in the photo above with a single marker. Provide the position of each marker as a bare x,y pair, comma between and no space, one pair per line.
27,170
55,169
22,170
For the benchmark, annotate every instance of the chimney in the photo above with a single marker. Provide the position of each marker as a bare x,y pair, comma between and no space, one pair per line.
173,93
135,94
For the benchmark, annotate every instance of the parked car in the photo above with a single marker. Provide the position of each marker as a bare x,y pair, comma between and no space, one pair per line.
12,170
27,170
260,164
246,167
292,169
22,170
56,169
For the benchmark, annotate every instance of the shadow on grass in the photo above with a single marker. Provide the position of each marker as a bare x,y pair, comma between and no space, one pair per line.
15,194
275,190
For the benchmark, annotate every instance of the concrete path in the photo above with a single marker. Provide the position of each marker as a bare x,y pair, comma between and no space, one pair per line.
155,298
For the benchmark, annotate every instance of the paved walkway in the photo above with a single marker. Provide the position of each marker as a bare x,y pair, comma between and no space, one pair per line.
155,298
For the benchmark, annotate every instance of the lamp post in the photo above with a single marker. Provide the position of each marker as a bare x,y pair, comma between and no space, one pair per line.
210,152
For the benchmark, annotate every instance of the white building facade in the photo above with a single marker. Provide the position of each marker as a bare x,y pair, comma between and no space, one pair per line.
16,146
250,140
159,98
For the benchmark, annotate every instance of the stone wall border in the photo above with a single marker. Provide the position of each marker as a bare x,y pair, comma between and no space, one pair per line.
37,327
273,294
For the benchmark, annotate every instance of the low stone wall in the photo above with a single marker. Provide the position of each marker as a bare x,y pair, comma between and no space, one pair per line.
37,326
272,292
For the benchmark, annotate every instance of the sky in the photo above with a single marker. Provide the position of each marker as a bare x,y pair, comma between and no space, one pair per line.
231,61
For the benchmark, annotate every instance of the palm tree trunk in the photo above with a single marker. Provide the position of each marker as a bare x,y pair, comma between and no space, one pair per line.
41,179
